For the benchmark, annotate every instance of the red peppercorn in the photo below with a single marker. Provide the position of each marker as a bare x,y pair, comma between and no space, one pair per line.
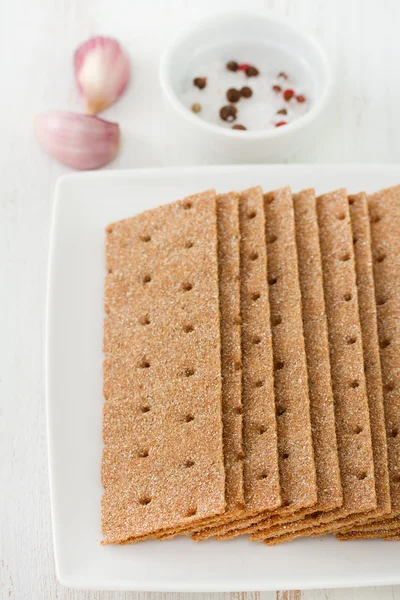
280,123
243,66
277,88
300,98
288,95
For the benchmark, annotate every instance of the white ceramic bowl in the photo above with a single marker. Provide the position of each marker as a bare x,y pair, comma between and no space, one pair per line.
254,36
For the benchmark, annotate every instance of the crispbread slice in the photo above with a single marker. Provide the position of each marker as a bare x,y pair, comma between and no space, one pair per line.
296,460
393,537
231,355
347,364
231,363
347,368
261,473
229,299
319,373
368,318
162,374
384,210
379,533
367,528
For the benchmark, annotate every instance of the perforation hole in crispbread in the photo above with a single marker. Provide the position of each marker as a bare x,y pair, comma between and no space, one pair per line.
143,363
145,293
385,343
145,320
144,501
145,238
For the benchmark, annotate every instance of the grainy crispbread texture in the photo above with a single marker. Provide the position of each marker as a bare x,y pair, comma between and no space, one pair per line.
391,524
347,364
231,357
231,360
372,365
162,373
347,368
296,457
261,473
379,533
318,364
229,299
395,537
384,209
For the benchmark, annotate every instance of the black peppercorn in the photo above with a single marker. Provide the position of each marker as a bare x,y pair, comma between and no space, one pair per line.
228,113
200,82
233,95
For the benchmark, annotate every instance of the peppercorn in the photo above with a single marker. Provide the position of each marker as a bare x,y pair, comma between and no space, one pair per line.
288,95
196,107
252,71
232,65
246,92
239,127
233,95
228,113
200,82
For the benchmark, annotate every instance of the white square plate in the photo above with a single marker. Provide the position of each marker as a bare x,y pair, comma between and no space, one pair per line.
84,205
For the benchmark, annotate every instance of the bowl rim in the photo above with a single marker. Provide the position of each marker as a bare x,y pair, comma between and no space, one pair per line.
173,99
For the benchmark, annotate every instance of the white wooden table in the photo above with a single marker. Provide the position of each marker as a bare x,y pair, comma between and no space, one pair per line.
37,38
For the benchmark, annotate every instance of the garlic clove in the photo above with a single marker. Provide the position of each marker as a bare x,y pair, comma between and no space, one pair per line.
79,141
102,72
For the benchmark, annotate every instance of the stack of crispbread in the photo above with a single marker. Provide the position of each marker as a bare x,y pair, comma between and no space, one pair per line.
252,368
